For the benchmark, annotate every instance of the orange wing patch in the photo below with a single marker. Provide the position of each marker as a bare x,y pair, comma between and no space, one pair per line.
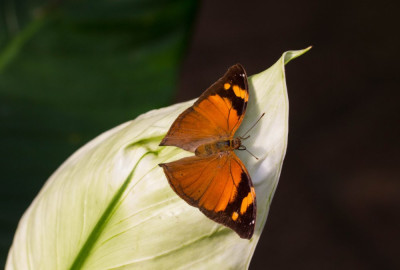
246,202
215,109
214,180
240,92
235,216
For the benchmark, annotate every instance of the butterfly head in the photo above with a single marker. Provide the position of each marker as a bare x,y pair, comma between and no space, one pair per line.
236,143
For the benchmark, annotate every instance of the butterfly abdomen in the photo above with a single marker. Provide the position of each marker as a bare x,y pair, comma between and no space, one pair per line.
217,147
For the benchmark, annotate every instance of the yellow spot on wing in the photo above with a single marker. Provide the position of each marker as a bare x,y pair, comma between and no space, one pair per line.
239,92
235,215
248,200
243,207
227,86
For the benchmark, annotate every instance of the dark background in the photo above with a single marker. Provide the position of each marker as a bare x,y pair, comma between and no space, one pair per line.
338,201
337,205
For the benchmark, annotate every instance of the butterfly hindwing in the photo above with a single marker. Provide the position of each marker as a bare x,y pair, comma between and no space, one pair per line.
220,186
217,114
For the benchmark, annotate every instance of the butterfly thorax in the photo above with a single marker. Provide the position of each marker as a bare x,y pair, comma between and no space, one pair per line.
217,147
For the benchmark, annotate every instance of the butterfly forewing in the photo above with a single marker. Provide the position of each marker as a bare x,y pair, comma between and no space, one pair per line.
217,113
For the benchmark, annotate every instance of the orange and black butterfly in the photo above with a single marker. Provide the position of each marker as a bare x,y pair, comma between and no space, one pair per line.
214,179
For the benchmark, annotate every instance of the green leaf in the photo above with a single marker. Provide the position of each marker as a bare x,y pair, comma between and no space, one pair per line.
71,70
109,206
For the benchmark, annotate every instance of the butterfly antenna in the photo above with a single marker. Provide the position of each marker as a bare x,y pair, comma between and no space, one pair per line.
244,135
251,154
242,147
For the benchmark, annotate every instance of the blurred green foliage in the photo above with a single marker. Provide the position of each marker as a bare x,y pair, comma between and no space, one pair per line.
70,70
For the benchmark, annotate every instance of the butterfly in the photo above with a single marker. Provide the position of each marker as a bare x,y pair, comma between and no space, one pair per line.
215,179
